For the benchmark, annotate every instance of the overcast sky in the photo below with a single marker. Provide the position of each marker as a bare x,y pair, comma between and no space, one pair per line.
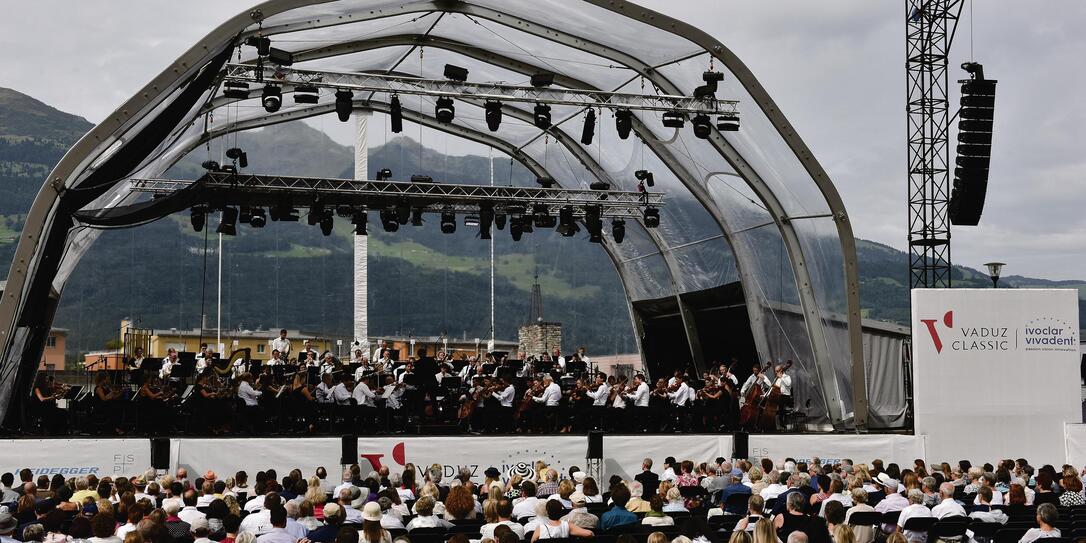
835,67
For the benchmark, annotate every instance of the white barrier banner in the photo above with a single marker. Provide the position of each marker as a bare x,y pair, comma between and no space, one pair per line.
995,372
830,449
622,454
1075,444
74,457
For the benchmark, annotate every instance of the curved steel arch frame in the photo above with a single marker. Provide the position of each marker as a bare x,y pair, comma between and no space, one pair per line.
22,332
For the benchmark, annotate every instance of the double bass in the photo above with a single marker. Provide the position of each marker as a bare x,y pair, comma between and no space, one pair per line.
770,405
526,403
748,415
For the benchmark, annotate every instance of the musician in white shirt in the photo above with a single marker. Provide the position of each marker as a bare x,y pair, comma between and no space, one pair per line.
341,394
281,343
784,381
552,393
328,365
758,377
168,363
251,398
640,397
363,396
681,395
599,396
276,358
324,390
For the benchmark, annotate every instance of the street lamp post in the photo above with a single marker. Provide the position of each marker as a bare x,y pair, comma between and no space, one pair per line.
994,268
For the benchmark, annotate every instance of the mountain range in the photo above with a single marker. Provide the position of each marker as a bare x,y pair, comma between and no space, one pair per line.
163,275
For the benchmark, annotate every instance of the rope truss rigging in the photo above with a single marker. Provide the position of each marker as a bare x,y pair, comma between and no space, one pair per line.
238,74
227,188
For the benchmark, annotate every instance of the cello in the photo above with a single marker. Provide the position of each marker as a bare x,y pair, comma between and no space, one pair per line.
771,404
748,415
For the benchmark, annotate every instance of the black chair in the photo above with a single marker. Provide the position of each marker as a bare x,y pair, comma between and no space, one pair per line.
737,503
468,529
1008,535
985,530
919,524
948,528
427,535
891,517
865,518
396,532
632,529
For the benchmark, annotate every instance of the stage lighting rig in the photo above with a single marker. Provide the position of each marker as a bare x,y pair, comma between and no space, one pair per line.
566,226
417,178
284,212
388,220
516,229
703,126
271,98
456,73
403,211
645,177
237,90
416,216
594,223
198,216
618,230
542,116
589,130
210,165
652,217
673,119
444,111
236,154
499,221
546,182
486,219
257,218
448,221
280,57
727,123
359,219
344,105
262,44
384,174
471,220
623,123
306,94
544,79
708,90
395,114
493,115
228,222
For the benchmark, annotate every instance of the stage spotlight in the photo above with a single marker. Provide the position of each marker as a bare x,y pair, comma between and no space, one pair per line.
544,79
516,229
280,57
542,116
403,212
210,165
272,98
306,94
618,230
448,222
589,130
360,219
236,89
262,44
444,110
198,216
314,215
600,185
326,223
673,119
709,88
344,104
344,211
416,216
228,222
246,215
486,219
623,123
235,153
566,226
456,73
594,223
499,221
545,182
652,217
396,114
542,217
703,126
257,218
421,179
645,177
471,220
727,123
384,174
388,220
493,115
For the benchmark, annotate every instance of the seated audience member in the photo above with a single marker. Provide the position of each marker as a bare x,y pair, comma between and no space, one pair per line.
278,533
390,520
579,515
1072,491
524,506
794,518
915,509
755,506
333,519
636,503
103,527
426,518
985,513
618,515
764,532
947,506
200,531
460,504
503,512
656,516
372,532
556,528
743,536
862,534
843,534
1047,515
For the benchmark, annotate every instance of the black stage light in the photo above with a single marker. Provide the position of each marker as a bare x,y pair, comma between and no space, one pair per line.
344,211
525,224
236,89
544,79
384,174
499,221
448,222
542,116
246,215
709,88
703,126
396,114
326,223
229,168
210,165
416,216
315,214
280,57
618,230
456,73
359,219
306,94
645,177
444,110
493,115
198,216
228,222
236,153
600,185
272,98
471,220
545,182
257,218
516,229
727,123
652,217
388,220
542,217
623,123
284,212
566,226
673,119
486,219
421,179
594,223
589,130
344,104
403,212
262,44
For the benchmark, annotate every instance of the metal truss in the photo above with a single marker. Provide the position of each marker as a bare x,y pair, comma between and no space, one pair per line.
929,30
500,92
230,189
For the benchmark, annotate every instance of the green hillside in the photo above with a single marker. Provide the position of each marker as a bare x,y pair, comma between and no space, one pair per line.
289,275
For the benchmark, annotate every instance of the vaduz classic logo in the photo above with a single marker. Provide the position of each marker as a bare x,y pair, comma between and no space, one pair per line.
948,321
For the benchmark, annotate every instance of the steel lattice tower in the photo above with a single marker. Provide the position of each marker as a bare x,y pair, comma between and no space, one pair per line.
929,31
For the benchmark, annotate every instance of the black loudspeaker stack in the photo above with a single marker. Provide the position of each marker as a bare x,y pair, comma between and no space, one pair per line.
595,445
974,148
160,453
741,445
348,450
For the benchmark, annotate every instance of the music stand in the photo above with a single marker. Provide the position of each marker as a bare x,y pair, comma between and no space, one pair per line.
255,367
488,368
451,382
577,366
73,392
312,375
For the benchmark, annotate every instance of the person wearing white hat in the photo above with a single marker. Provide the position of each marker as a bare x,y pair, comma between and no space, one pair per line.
372,532
578,478
893,501
579,515
200,530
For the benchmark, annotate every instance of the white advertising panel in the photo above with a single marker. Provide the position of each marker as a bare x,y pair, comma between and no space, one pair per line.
995,372
830,449
75,457
1075,445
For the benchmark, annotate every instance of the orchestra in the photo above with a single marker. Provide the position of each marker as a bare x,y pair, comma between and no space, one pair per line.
318,393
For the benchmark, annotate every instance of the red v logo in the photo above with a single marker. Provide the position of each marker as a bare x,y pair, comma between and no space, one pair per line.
948,321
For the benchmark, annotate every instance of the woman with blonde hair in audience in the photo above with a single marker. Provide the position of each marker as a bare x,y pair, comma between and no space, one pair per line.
764,532
755,506
675,503
657,537
565,490
431,491
757,480
842,533
663,488
512,487
741,536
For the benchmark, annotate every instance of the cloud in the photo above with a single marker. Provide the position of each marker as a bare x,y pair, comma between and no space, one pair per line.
835,67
